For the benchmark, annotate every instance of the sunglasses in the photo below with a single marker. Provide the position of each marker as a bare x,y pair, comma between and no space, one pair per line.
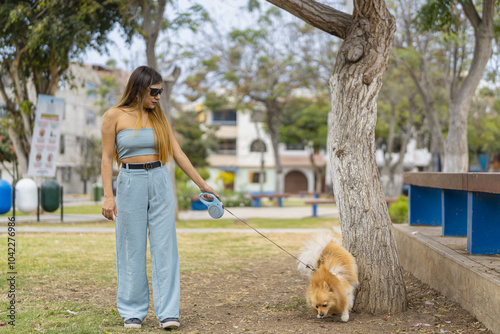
155,91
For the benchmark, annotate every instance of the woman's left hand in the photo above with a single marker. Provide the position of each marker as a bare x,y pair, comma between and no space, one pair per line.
207,189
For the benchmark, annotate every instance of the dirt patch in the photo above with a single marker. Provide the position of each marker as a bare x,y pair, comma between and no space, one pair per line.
268,297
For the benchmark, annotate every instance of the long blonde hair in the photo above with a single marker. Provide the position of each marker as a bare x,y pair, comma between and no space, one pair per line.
137,87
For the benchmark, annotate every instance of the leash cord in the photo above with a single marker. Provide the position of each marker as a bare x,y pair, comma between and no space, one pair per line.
308,266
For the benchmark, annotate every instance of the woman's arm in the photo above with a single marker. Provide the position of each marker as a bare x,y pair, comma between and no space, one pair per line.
108,133
183,162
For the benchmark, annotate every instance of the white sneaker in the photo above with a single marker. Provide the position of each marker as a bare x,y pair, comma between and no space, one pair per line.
133,323
170,323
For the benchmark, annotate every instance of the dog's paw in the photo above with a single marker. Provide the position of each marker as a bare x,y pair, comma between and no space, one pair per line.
345,317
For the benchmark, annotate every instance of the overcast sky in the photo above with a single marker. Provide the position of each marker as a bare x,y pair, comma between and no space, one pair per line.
227,12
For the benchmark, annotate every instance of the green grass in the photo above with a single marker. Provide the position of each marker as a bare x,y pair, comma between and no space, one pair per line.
96,209
61,272
80,209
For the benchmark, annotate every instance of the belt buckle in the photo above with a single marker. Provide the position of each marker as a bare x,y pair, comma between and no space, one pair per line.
148,165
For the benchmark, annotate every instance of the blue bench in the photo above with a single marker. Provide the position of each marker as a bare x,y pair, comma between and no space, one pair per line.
463,204
256,199
317,202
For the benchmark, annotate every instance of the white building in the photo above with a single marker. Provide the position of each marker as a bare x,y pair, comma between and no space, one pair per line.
241,135
81,125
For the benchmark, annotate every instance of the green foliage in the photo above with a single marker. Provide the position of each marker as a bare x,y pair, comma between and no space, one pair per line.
107,92
232,199
437,15
7,153
399,210
53,32
194,141
484,123
38,40
253,5
184,193
305,122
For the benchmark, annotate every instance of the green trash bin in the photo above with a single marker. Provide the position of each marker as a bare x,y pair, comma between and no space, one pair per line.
50,193
96,192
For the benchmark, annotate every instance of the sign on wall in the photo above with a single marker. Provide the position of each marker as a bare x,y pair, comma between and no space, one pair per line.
46,136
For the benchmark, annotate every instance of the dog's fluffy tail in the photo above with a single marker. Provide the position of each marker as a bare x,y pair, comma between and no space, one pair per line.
311,252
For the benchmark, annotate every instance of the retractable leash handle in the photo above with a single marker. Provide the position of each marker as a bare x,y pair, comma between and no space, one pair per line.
215,206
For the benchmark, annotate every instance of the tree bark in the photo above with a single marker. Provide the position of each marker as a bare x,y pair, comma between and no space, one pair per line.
456,147
366,227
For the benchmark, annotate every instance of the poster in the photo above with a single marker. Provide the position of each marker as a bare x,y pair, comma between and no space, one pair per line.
46,136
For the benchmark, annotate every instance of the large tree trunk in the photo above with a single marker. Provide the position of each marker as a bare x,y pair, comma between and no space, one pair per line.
366,227
456,149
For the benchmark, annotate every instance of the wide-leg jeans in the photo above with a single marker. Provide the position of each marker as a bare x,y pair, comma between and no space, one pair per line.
146,207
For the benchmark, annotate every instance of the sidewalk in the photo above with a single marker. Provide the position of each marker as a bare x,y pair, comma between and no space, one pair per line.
299,212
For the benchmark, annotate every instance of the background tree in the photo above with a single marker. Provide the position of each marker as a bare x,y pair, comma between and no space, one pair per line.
396,110
261,67
195,141
356,80
37,42
7,153
305,122
445,16
148,22
90,168
427,59
149,18
484,125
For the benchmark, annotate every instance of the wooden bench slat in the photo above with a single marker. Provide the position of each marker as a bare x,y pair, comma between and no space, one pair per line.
484,182
476,182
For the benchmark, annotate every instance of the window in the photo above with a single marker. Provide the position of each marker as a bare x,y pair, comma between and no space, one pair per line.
258,146
227,146
254,177
90,115
224,117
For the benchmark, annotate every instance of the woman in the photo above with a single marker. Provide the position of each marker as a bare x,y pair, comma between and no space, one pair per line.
136,133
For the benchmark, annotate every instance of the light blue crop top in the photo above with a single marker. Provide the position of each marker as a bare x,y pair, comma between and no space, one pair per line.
133,142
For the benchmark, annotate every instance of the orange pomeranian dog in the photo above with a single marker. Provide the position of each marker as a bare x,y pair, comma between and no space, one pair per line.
333,283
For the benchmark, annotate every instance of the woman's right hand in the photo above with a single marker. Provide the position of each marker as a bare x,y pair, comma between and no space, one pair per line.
109,208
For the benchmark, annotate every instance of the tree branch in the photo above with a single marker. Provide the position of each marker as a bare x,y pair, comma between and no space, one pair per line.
159,15
488,11
318,15
471,12
8,102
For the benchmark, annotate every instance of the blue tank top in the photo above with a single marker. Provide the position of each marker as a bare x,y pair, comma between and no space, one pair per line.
134,142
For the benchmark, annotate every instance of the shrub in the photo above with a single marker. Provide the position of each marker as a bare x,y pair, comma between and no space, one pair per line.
399,210
184,193
231,199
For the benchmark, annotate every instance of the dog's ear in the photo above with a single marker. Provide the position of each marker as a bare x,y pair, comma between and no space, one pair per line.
326,286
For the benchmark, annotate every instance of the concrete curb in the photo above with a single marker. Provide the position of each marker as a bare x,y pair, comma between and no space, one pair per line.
459,278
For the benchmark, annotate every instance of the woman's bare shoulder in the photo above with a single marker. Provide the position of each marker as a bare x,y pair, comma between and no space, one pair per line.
114,113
